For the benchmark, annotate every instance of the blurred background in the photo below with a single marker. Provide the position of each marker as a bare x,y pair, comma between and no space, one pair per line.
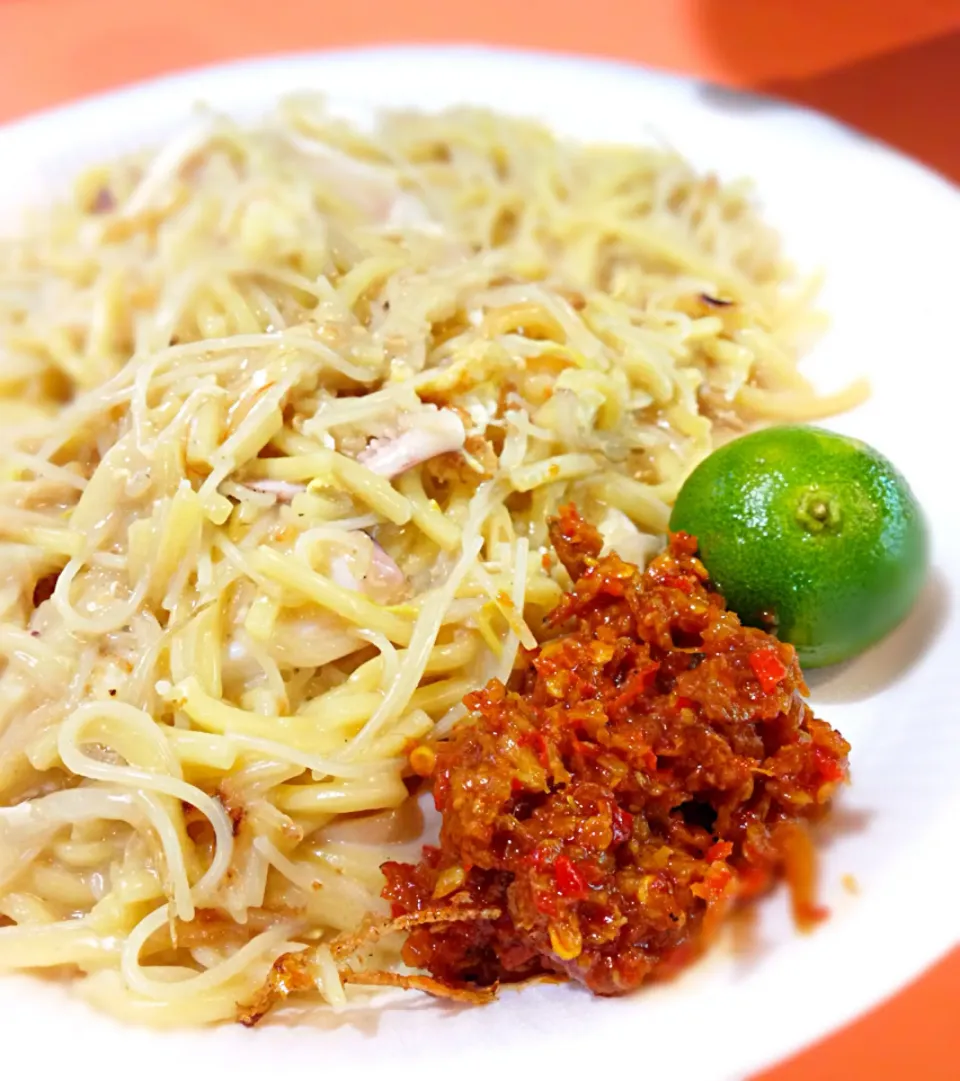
888,67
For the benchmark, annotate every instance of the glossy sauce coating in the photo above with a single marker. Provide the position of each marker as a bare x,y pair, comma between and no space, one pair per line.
654,763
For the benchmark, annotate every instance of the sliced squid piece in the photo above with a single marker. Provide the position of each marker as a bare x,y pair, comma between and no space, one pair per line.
284,490
620,535
378,575
422,435
373,189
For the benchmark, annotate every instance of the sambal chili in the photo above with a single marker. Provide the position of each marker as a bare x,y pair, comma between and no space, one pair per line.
649,766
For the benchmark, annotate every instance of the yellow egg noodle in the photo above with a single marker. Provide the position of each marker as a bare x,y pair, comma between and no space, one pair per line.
284,411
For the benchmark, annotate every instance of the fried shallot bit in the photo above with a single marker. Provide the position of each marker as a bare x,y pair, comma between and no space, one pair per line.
473,996
651,766
372,931
293,972
103,202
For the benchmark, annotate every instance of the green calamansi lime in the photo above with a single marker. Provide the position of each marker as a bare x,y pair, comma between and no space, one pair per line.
810,534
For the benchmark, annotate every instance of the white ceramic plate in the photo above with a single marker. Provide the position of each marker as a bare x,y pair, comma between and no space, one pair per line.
887,233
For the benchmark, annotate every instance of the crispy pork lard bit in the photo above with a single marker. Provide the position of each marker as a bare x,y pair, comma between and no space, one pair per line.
422,435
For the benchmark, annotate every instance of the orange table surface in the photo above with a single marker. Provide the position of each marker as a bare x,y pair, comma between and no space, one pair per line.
890,67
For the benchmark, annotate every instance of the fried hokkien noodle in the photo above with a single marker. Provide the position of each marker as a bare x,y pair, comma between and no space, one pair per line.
286,407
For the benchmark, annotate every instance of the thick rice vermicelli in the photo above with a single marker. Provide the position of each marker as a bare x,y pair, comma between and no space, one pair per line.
284,411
